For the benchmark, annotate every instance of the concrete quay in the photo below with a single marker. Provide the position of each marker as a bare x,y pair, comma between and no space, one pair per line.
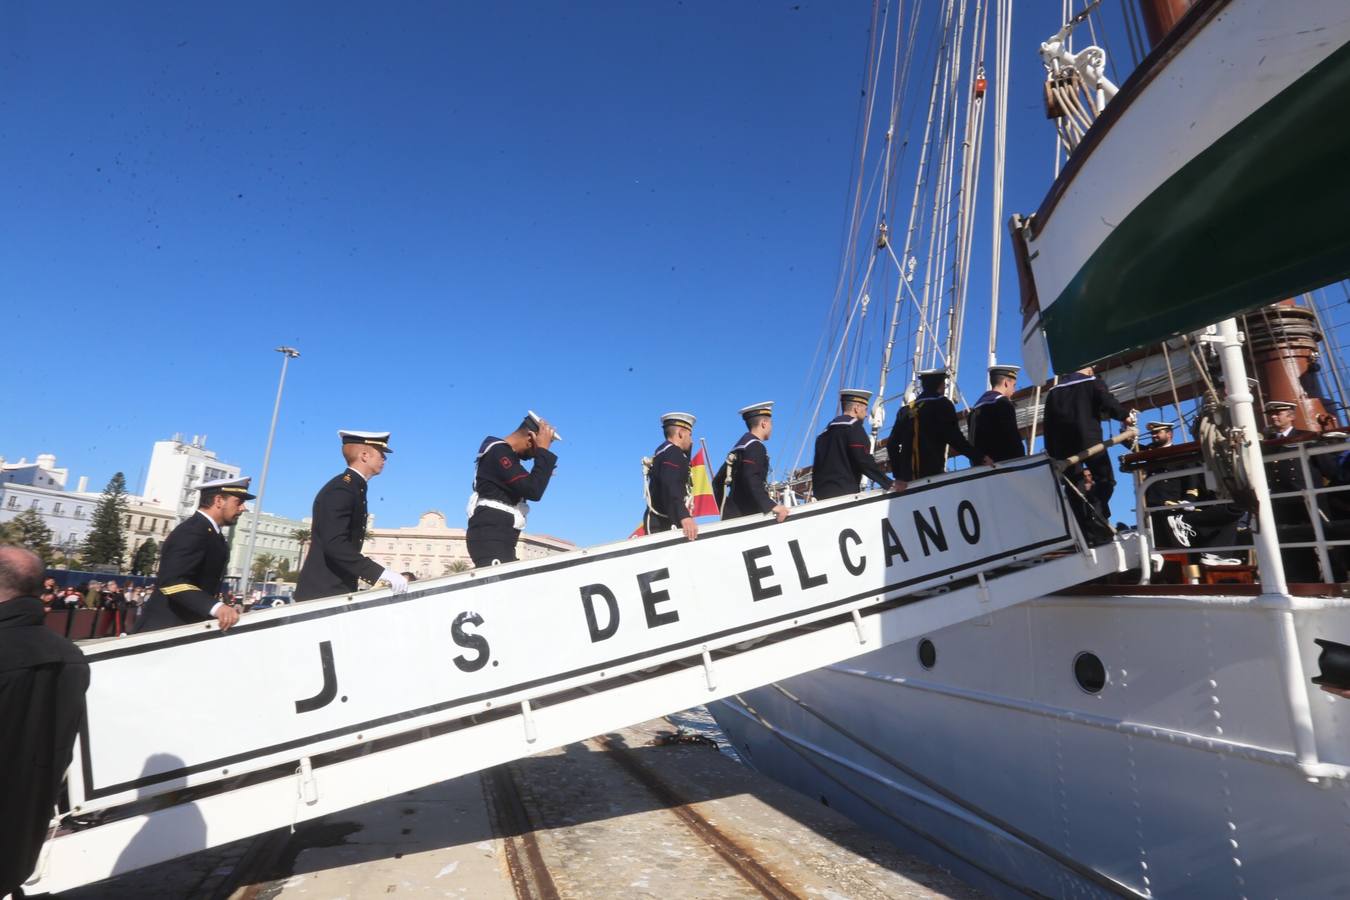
637,813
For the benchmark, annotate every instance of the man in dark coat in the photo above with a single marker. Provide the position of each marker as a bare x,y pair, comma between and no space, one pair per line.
338,527
843,452
925,433
1074,409
193,559
740,484
992,422
1291,513
667,482
502,489
43,678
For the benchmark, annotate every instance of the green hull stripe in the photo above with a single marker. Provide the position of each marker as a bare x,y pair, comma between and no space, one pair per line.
1260,215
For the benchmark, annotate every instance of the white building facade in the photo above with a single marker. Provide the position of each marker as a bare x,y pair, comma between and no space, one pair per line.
432,549
177,467
276,538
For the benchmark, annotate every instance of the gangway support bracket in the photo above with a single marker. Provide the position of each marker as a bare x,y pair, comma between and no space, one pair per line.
708,670
858,624
527,716
123,845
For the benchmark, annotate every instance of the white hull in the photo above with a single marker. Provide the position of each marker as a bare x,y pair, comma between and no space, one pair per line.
1178,779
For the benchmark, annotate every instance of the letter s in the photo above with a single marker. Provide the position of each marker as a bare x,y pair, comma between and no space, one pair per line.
475,642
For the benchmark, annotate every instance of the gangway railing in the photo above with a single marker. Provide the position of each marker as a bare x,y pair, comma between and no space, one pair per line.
374,694
1318,520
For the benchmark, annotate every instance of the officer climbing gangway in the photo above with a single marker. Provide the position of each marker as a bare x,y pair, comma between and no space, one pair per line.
334,703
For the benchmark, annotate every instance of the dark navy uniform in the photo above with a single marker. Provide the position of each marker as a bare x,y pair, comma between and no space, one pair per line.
667,489
337,532
1074,410
843,457
992,424
191,565
747,470
923,431
501,488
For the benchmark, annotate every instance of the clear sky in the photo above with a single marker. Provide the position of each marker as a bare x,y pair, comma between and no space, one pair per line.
456,211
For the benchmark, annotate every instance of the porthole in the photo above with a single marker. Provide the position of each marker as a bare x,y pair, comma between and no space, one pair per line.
927,654
1089,672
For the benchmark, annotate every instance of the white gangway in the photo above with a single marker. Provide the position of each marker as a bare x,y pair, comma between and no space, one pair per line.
196,738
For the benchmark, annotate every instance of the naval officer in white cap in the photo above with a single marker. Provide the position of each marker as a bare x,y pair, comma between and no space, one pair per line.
740,485
338,528
668,478
193,559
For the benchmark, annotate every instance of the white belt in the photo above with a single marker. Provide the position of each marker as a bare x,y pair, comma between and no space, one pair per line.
518,513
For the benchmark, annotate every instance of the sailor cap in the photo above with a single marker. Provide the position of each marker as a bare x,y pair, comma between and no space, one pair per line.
377,439
531,423
848,394
931,374
1000,370
1275,406
1159,426
757,409
679,418
237,487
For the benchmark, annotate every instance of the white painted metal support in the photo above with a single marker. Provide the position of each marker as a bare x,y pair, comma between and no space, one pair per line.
708,670
858,624
984,587
527,716
306,787
1274,589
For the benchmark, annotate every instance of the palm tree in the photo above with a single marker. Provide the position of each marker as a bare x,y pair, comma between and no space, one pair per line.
457,566
302,535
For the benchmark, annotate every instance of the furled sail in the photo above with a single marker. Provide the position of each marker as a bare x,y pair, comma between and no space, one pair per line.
1211,184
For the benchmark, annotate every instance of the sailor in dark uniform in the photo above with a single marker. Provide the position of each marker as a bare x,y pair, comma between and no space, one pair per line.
192,562
667,483
925,432
992,421
502,489
1283,475
740,482
1074,409
843,452
338,528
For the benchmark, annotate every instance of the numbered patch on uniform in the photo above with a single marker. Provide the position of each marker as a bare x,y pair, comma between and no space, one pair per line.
506,462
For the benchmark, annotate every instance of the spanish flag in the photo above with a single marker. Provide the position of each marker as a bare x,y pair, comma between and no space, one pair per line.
702,501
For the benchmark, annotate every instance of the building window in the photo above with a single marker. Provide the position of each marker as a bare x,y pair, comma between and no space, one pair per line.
56,509
79,512
33,505
13,502
141,525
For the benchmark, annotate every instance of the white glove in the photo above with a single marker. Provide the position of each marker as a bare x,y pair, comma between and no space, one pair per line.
397,582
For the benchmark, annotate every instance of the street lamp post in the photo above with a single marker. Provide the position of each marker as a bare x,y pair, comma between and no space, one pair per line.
288,354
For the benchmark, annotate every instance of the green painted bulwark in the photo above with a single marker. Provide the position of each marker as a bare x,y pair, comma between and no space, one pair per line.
1262,214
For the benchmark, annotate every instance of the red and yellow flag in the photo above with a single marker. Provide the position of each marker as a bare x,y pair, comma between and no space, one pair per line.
702,501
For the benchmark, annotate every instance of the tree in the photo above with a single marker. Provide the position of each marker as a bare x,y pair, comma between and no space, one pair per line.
106,543
147,554
302,535
457,566
262,564
28,530
283,570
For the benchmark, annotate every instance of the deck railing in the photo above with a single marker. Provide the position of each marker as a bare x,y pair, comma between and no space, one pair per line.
1321,544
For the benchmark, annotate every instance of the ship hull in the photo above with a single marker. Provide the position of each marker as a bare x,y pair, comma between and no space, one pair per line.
1211,184
1177,778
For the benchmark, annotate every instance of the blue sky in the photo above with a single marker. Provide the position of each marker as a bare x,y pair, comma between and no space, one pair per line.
455,211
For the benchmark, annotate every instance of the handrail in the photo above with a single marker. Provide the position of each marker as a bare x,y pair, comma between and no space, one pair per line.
1302,451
